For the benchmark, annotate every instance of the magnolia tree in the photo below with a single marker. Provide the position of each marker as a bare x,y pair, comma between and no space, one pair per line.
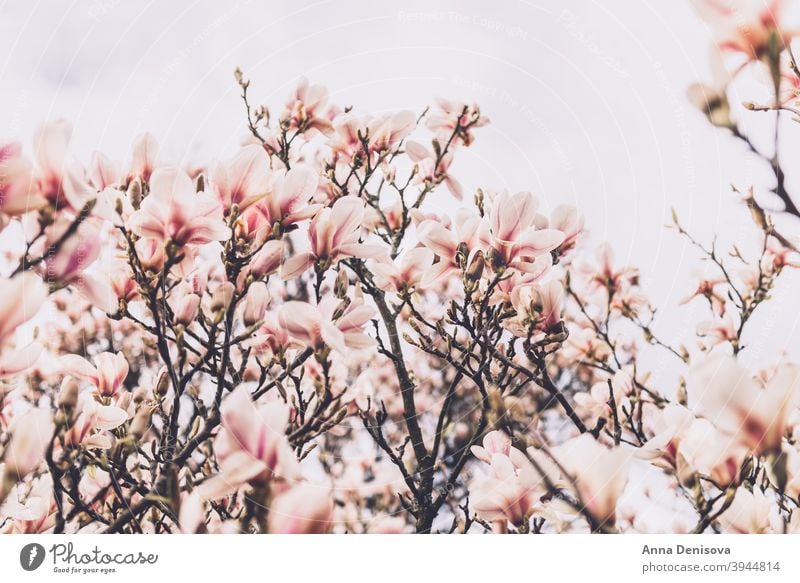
296,341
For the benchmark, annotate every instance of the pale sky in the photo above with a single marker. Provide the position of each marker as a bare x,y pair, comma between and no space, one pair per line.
587,100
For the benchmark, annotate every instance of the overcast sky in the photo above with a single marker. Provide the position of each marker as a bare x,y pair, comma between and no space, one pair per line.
587,100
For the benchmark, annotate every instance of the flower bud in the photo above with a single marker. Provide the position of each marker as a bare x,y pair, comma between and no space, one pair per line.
140,423
162,382
255,304
267,260
68,393
221,298
186,311
150,253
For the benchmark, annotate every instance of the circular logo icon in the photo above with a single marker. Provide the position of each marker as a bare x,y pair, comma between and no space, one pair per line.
31,556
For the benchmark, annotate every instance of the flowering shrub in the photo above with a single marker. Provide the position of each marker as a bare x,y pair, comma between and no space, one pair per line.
296,341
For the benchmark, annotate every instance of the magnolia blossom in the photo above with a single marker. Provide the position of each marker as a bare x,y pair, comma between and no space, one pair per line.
313,325
244,180
251,445
599,473
287,202
20,298
508,493
598,401
406,272
334,234
31,433
744,26
471,232
92,422
431,172
107,374
749,513
19,193
61,181
737,404
516,239
174,211
303,509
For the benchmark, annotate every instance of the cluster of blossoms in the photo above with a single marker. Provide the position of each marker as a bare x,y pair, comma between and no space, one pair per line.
295,341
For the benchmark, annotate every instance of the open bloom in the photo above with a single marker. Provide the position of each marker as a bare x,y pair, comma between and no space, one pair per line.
251,445
744,26
107,374
334,234
20,298
30,435
313,325
749,513
244,179
174,211
600,474
515,237
61,181
303,509
738,405
92,422
19,193
471,235
509,492
406,272
286,203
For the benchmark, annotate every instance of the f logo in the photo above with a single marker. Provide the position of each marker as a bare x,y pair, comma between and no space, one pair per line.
31,556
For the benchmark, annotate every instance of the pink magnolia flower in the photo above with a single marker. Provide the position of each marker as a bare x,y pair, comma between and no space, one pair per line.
386,131
174,211
70,264
303,509
404,273
107,374
597,402
251,445
287,202
103,172
244,180
516,239
19,193
267,260
313,325
20,299
738,405
255,303
13,362
186,309
749,513
744,26
568,220
145,156
34,515
429,171
538,308
600,474
30,435
334,234
509,493
61,182
451,114
497,442
306,107
705,450
471,232
92,422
